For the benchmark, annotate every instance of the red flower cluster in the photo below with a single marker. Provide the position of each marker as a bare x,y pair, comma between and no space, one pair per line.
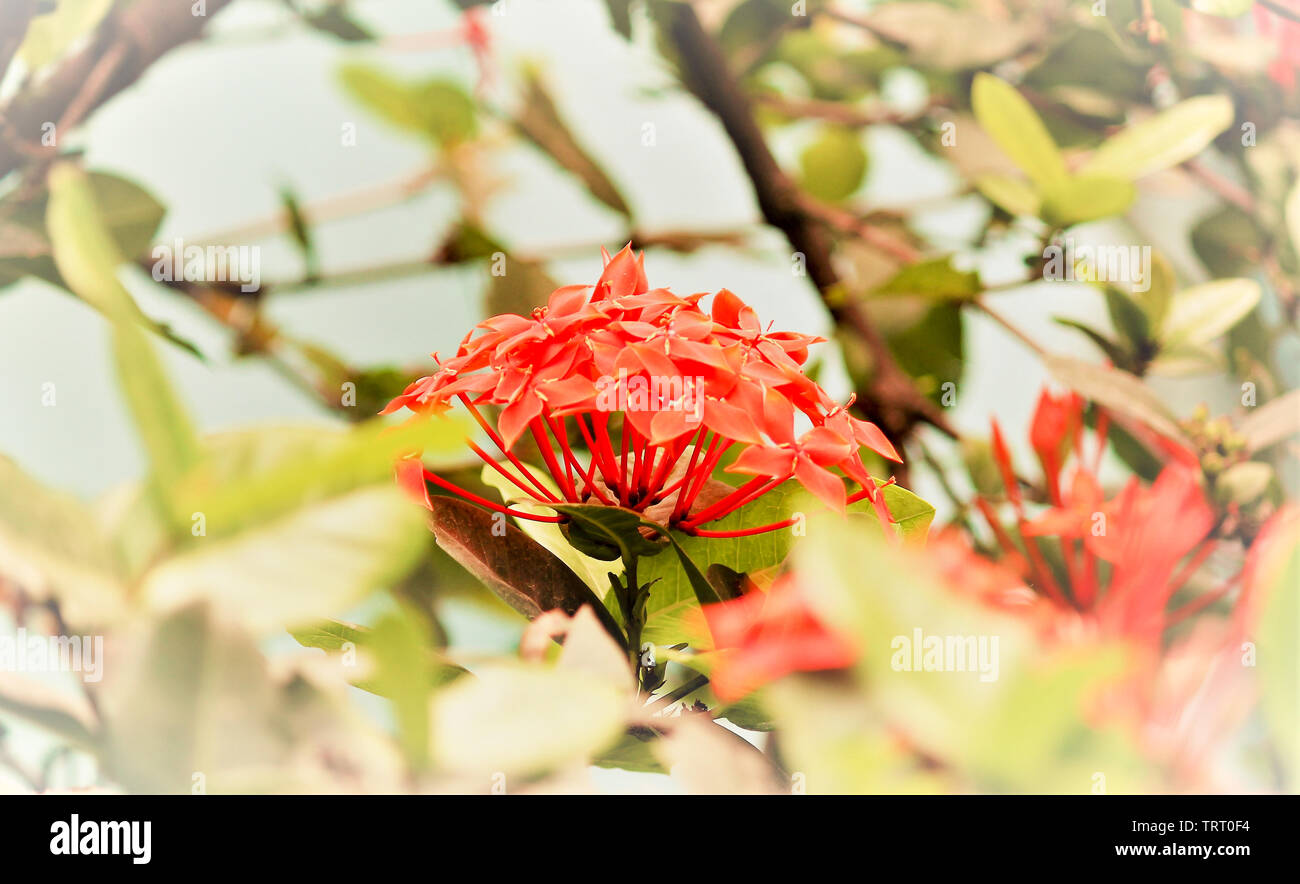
689,384
1142,534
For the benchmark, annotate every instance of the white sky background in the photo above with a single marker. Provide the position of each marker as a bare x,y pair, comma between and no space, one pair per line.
215,129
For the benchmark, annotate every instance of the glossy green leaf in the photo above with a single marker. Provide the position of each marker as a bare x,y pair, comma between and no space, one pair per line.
935,278
437,109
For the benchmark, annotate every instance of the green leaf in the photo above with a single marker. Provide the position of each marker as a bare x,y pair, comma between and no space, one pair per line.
1084,198
1278,660
1120,356
1013,123
606,532
334,635
1227,241
939,36
195,697
745,555
437,109
88,259
1167,139
331,635
400,653
832,167
1011,195
1200,314
50,35
525,720
1128,318
1010,719
313,563
1117,390
912,515
934,278
620,16
52,544
130,212
250,477
1223,8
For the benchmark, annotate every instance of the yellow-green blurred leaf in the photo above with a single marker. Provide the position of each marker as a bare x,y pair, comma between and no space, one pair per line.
1013,123
1200,314
438,109
831,168
517,719
1082,198
50,35
88,259
1165,140
1012,195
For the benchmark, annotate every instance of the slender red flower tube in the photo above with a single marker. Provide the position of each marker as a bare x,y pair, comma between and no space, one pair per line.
658,390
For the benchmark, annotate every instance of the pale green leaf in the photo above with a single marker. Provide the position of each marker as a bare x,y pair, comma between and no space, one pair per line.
1270,423
1083,198
1013,123
52,544
301,568
1200,314
1279,638
88,259
832,167
1167,139
1012,195
517,719
50,35
1117,390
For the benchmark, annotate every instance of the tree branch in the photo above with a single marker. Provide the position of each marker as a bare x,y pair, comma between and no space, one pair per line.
132,37
889,397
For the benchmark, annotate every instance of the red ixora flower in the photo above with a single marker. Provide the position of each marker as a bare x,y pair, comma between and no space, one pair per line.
762,636
1142,534
690,386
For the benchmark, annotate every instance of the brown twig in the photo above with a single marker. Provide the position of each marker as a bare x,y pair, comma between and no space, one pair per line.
139,32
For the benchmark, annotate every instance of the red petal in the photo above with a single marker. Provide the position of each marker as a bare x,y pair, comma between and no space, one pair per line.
822,482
